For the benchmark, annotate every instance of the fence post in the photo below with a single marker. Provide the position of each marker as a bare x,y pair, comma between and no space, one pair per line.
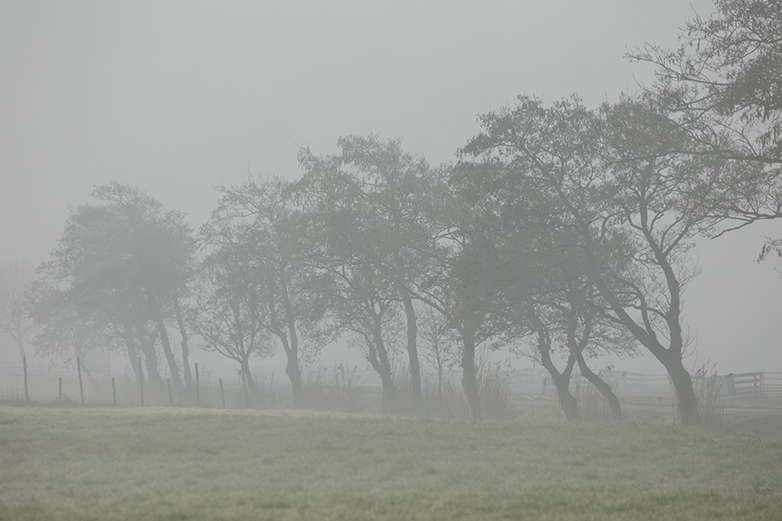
198,397
24,368
168,385
114,390
59,394
222,395
81,387
140,383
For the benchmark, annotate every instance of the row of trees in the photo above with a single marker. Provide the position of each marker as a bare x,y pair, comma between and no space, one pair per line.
561,232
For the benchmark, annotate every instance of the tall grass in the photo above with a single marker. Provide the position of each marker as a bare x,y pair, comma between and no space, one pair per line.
708,384
333,389
450,401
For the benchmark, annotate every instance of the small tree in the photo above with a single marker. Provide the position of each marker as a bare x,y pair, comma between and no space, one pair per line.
232,314
265,230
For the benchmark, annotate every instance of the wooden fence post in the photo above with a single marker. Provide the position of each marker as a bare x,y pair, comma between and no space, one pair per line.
59,394
114,390
81,386
198,396
222,395
24,368
140,383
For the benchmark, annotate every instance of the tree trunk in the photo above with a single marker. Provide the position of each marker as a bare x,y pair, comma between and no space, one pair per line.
561,381
292,344
685,392
185,348
127,335
602,387
378,358
254,391
412,351
171,359
297,386
470,375
567,401
147,346
20,342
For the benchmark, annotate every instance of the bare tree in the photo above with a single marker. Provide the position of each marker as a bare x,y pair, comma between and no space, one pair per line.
15,276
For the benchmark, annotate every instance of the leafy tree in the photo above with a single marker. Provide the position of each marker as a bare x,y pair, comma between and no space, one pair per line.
121,263
545,292
465,277
616,180
371,197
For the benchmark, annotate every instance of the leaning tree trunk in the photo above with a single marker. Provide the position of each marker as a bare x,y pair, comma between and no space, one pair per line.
685,392
470,375
567,401
254,394
378,359
127,334
602,387
171,359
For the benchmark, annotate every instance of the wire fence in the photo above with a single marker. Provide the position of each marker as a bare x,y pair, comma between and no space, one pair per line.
221,386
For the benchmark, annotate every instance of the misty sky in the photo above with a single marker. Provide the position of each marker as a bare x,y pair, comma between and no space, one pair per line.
177,97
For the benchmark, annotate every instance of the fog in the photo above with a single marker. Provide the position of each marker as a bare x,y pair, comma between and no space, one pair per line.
180,97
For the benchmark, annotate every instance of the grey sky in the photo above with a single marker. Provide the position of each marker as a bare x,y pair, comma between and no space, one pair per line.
176,97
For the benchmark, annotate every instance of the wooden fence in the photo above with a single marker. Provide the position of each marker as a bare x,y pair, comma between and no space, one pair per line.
753,385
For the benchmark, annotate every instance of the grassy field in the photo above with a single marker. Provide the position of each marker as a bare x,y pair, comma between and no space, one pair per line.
112,464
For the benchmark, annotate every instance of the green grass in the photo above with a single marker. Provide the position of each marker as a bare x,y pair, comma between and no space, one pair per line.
112,464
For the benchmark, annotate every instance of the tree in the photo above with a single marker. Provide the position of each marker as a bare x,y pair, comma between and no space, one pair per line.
546,292
15,322
618,180
266,230
574,324
724,79
121,263
723,88
465,277
232,313
371,196
355,300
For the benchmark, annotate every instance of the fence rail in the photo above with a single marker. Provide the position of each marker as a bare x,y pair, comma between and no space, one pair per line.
537,381
758,385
